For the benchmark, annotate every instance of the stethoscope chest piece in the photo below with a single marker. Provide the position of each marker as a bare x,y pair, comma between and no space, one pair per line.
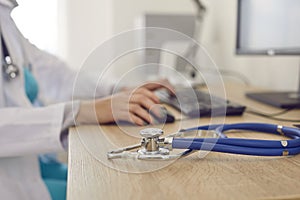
150,142
152,147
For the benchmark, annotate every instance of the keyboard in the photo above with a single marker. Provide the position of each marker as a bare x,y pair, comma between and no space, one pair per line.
195,103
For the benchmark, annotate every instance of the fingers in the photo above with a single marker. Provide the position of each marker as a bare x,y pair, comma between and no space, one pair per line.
138,110
141,116
134,114
145,97
141,113
164,83
148,100
133,107
136,120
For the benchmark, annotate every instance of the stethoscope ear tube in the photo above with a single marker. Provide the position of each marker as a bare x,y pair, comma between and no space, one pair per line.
244,146
195,145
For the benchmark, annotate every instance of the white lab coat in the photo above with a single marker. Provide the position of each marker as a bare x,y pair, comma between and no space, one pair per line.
26,131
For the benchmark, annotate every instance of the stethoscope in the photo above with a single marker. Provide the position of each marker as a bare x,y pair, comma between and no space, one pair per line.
152,146
11,70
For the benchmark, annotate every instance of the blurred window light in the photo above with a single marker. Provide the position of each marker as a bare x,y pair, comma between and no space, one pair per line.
38,21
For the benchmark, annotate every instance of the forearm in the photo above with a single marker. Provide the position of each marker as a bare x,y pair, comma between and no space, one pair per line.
95,112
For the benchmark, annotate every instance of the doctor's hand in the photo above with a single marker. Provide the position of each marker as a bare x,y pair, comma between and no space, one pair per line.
132,105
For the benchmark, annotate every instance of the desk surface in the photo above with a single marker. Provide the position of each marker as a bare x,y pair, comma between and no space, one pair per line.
198,176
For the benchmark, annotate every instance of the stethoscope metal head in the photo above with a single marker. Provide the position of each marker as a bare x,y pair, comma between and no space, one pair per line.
150,140
151,143
151,147
10,70
155,147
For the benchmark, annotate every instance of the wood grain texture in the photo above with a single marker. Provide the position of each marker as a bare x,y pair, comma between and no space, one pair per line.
214,176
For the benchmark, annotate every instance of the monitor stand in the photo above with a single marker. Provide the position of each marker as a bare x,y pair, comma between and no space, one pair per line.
278,99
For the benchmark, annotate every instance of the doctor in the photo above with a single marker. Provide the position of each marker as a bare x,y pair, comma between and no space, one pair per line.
27,130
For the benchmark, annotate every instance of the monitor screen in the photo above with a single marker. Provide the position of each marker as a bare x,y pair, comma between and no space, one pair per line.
270,27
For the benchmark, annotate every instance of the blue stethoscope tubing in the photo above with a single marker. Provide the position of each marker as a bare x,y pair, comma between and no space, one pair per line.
253,147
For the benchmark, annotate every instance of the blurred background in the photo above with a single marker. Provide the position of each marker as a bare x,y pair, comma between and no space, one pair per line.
72,29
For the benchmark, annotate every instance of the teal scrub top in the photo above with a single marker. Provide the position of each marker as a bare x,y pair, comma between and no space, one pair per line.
31,86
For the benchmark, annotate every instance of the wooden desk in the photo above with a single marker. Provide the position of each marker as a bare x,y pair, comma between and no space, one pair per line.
216,176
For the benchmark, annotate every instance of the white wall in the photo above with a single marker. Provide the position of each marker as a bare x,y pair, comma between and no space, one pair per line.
125,12
38,25
84,26
90,22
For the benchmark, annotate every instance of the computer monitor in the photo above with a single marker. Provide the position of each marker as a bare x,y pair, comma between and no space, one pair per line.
270,27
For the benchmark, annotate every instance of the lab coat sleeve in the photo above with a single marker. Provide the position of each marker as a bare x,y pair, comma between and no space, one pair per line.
56,80
25,131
